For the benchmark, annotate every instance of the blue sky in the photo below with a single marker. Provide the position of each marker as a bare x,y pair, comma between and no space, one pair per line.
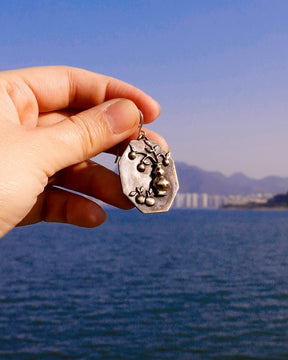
218,68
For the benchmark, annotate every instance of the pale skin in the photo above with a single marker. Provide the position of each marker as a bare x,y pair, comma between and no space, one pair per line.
52,121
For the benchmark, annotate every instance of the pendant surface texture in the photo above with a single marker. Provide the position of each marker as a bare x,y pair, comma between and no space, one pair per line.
148,176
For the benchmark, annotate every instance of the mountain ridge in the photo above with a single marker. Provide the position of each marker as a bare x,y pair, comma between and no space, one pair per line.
193,179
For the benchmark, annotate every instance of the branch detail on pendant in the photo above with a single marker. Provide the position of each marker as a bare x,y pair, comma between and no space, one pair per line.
155,160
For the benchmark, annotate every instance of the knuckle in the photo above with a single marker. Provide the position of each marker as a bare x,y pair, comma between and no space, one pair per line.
90,133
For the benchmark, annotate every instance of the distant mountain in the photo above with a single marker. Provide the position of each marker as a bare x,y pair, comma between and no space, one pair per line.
193,179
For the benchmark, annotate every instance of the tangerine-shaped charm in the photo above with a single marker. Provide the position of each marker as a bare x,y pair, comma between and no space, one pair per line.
132,155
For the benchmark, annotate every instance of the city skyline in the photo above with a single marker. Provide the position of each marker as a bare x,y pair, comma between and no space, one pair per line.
219,69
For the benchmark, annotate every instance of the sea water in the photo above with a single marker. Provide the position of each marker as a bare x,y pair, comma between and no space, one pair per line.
180,285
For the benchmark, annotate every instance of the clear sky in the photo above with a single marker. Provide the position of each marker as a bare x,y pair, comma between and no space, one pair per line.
219,68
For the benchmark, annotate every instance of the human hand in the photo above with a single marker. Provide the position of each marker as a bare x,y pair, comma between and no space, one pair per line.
52,120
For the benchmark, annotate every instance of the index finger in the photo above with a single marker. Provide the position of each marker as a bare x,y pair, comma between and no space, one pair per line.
62,87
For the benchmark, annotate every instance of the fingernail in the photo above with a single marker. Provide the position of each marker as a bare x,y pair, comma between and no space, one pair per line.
122,115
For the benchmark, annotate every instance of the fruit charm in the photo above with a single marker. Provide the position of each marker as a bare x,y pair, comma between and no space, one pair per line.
148,175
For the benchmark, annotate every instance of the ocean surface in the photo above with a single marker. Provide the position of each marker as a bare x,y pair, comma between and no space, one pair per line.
180,285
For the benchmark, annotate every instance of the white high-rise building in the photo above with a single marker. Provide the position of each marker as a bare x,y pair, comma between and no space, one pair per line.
204,200
195,200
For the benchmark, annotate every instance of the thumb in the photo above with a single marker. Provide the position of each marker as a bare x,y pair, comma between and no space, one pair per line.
88,133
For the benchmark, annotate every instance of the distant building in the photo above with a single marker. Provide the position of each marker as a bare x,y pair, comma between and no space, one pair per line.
206,201
179,201
195,200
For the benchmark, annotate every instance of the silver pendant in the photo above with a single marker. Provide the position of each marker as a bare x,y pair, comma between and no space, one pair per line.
148,175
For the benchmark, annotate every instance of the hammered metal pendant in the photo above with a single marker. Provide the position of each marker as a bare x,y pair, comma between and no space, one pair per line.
148,175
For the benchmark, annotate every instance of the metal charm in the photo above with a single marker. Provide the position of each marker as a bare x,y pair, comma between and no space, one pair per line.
148,175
